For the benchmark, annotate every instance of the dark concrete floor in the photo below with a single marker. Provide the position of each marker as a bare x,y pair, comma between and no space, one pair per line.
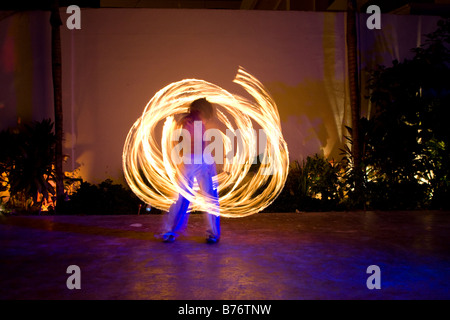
264,256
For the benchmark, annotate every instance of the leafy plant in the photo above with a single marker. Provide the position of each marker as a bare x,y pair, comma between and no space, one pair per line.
312,185
104,198
408,142
26,164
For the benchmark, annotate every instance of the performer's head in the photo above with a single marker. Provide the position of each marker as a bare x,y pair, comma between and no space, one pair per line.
203,108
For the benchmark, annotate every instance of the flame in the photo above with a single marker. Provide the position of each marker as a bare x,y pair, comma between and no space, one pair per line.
156,180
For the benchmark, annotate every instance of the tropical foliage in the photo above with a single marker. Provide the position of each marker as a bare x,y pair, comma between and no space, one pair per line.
26,164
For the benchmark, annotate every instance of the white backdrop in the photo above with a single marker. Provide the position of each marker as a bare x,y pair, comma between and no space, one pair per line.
121,57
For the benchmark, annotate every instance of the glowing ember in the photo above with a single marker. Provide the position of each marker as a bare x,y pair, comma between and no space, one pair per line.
157,180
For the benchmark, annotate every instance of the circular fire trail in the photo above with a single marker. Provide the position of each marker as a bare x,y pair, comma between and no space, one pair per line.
245,186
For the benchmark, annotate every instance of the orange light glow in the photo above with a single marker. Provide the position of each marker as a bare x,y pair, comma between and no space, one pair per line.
157,180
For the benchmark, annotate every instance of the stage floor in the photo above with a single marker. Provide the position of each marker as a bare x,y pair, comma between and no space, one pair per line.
264,256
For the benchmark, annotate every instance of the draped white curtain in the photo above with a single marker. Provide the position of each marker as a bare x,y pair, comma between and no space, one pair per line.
121,57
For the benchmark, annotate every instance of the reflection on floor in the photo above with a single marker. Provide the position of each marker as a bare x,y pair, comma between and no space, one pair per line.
264,256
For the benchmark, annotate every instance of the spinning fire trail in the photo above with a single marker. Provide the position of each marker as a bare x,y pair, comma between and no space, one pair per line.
157,180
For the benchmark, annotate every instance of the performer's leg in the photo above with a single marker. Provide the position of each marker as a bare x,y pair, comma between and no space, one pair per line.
213,233
177,217
213,219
